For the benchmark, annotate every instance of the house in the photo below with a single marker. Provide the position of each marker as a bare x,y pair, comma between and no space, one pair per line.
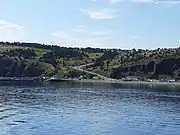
130,78
172,80
96,78
152,80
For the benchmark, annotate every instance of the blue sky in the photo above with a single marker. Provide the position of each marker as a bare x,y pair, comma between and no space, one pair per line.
95,23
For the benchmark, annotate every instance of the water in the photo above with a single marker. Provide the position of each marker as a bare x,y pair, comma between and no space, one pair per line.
88,109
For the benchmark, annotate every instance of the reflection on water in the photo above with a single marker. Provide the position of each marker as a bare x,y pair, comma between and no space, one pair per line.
151,87
89,108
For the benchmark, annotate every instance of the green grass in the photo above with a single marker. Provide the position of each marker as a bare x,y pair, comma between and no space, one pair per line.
4,47
40,52
94,55
62,67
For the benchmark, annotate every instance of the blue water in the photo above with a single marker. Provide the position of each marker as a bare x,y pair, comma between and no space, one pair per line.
88,109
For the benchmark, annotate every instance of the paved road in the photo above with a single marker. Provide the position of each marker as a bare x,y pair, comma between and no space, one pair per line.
81,68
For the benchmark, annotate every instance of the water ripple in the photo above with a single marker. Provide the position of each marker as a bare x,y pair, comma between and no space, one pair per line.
92,110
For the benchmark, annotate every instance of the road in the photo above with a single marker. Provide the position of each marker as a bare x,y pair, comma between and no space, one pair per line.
81,68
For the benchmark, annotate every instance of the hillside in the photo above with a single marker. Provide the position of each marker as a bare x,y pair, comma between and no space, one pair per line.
32,60
154,64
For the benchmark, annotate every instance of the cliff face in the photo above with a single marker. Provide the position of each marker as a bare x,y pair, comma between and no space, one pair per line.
153,69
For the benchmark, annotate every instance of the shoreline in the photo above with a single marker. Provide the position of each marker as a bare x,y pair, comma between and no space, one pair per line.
117,82
90,81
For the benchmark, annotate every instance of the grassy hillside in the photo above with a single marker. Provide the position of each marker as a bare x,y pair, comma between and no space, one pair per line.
156,64
29,59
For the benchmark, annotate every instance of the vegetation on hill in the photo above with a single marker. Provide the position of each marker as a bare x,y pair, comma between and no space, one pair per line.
154,64
32,60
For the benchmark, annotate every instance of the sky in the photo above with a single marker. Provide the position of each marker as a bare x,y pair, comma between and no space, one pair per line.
124,24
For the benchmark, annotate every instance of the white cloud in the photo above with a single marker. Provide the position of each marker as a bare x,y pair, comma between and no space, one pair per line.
168,2
82,39
143,1
115,1
11,32
100,14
